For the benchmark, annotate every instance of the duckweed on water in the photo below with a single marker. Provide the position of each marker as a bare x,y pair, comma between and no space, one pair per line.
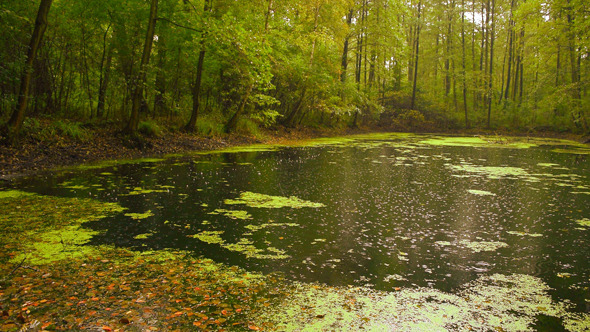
244,246
256,200
140,216
233,214
14,194
524,234
479,246
496,302
480,192
583,222
40,229
211,237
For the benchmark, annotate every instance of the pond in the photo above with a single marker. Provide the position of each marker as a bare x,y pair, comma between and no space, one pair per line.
429,225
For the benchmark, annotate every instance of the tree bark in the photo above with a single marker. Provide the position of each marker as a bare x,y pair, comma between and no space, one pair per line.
139,82
192,123
14,125
413,102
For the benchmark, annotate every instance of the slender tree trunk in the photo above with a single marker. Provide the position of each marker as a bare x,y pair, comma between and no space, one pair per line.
15,122
418,28
463,74
138,88
344,65
104,83
159,100
233,121
490,87
192,123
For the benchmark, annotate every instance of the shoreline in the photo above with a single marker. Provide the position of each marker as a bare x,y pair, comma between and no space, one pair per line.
32,157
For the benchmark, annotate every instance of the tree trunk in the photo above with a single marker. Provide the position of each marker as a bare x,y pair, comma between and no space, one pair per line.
139,82
105,69
463,63
192,123
490,86
14,125
413,102
233,121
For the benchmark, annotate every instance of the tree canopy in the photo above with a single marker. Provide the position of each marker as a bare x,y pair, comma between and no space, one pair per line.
220,65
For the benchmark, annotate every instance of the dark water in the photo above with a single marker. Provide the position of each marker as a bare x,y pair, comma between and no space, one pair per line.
397,213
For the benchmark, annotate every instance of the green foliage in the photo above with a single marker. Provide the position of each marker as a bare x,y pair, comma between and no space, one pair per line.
150,129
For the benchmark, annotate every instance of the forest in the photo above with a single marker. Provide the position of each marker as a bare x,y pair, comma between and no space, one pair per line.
221,66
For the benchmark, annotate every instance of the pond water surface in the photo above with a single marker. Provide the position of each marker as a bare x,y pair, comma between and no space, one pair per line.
385,212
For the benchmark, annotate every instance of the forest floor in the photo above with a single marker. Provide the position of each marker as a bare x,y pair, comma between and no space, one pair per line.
33,154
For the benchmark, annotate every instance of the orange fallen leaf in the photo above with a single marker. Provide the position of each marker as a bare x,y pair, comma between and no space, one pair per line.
106,328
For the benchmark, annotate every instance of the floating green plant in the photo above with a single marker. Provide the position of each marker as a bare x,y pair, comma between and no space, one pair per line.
256,200
524,234
478,246
233,214
140,216
480,192
211,237
10,194
142,191
243,246
496,302
47,228
585,222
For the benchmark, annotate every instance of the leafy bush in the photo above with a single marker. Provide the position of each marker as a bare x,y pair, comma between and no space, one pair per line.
209,125
149,129
72,130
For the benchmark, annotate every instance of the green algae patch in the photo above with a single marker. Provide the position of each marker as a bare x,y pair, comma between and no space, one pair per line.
11,194
524,234
232,214
140,216
247,247
496,302
480,192
142,191
40,229
479,246
583,222
244,246
581,151
492,172
143,236
256,228
256,200
65,243
211,237
479,141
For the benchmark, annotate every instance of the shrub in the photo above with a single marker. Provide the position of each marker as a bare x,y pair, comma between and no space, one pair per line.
149,129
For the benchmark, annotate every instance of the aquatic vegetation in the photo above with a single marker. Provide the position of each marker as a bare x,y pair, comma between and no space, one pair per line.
496,302
10,194
480,141
480,192
211,237
233,214
479,246
492,172
256,200
142,191
47,228
143,236
140,216
572,151
524,234
255,228
243,246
